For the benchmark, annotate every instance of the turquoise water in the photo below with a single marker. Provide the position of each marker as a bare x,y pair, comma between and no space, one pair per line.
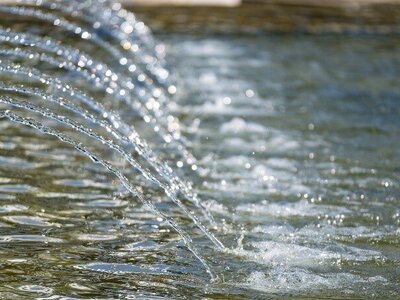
297,146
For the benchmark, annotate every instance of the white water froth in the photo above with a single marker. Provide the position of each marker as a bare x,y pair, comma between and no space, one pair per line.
300,208
238,125
298,280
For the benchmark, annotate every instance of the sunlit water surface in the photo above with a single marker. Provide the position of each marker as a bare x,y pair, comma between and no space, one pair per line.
297,141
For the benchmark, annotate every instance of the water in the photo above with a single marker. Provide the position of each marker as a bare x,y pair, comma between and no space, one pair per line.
272,169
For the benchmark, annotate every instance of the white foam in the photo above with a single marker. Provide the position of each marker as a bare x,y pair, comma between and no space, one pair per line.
209,47
285,209
282,163
274,254
208,78
239,125
278,253
215,207
283,279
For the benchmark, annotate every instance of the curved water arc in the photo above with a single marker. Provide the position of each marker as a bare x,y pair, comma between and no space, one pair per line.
69,26
124,180
83,33
139,144
170,193
77,57
103,18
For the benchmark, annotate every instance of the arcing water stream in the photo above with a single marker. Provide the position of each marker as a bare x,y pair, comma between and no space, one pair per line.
121,87
96,167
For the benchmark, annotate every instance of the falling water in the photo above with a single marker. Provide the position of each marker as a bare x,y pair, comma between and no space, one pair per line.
139,79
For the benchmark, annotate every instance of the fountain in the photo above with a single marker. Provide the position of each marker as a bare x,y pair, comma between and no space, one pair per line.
134,76
242,165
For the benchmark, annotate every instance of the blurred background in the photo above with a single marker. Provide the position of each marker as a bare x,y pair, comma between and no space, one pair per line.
255,16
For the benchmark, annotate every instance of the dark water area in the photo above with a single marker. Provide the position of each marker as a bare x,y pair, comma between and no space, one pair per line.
255,17
298,162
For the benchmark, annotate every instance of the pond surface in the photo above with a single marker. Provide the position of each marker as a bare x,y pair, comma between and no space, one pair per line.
298,145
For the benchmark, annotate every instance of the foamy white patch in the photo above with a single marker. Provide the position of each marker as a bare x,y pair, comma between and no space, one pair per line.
238,173
238,143
235,161
328,237
223,105
216,106
214,206
208,47
224,185
272,254
299,208
272,141
282,143
282,164
325,232
255,176
238,125
263,173
219,107
283,279
275,231
208,78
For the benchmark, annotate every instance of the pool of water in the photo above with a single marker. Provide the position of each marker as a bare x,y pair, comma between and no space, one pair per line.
298,162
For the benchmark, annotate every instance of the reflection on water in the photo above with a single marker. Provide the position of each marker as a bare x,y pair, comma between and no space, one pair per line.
296,140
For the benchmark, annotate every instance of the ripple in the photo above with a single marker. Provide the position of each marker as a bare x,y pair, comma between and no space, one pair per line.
273,253
17,188
13,208
29,238
325,232
296,280
7,146
7,196
83,183
5,180
96,237
238,125
143,245
105,203
120,268
29,221
218,107
70,195
300,208
36,289
17,260
19,163
208,47
80,287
